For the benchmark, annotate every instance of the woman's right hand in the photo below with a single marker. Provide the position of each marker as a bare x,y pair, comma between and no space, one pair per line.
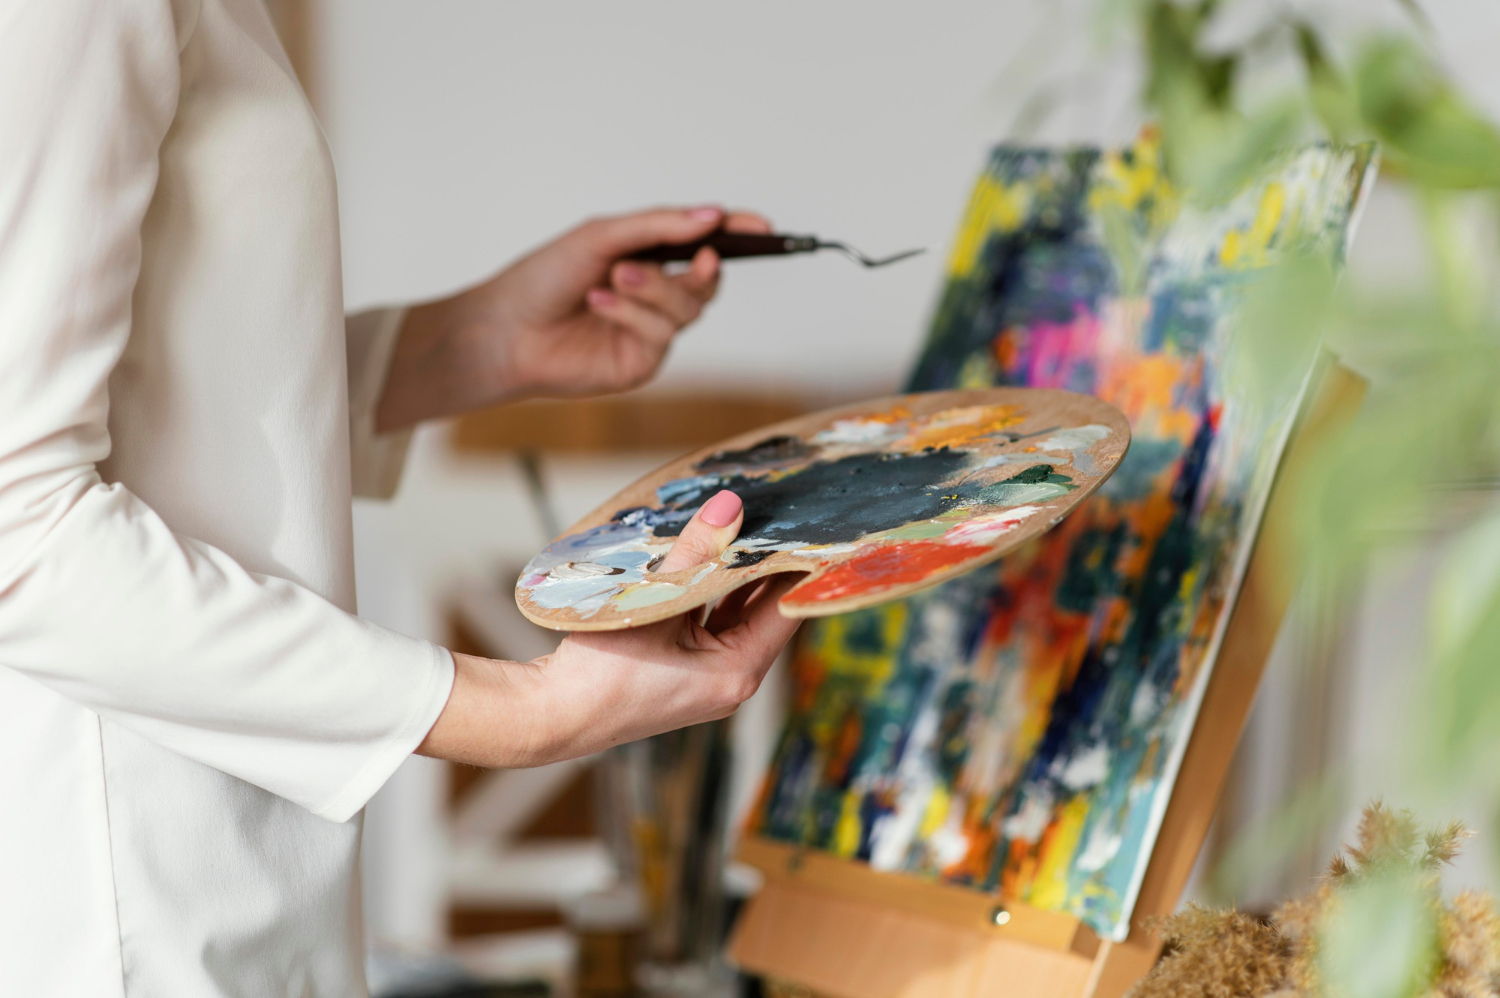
601,689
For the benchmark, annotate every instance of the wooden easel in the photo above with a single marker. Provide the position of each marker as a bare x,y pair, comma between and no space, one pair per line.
846,931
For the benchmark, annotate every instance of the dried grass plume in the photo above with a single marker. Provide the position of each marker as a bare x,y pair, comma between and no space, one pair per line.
1226,954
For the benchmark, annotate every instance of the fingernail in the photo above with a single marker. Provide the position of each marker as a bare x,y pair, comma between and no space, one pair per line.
602,297
721,510
705,214
630,275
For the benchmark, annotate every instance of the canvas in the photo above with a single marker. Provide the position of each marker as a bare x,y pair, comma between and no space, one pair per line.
1019,728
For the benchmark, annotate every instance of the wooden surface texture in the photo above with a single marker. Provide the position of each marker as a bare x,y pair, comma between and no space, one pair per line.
1039,416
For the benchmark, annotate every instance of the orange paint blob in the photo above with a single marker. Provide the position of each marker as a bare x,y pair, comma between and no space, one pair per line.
884,567
892,415
957,427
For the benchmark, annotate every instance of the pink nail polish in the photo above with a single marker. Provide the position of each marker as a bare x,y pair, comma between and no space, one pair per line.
705,214
630,275
721,510
602,297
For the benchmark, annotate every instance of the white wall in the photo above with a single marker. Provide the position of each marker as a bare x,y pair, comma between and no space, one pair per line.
467,131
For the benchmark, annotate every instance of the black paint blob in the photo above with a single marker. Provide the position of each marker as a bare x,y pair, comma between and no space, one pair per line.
744,559
832,502
772,450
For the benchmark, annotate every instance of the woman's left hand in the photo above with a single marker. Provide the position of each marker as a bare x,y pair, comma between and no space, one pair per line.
604,689
575,317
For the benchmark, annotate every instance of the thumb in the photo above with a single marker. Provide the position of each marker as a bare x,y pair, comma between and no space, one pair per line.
711,530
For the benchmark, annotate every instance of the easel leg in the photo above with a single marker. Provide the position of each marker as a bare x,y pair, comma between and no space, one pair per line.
1118,966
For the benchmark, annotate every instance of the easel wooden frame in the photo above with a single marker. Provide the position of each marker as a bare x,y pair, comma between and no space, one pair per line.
845,931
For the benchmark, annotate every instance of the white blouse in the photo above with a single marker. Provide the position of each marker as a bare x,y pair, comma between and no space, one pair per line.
191,716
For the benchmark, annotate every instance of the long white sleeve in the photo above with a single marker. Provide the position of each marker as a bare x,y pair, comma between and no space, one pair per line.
100,599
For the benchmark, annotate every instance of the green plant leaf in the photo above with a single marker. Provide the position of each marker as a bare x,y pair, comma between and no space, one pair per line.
1463,288
1463,695
1430,429
1379,939
1417,14
1270,843
1467,583
1328,91
1430,132
1173,32
1384,476
1283,319
1127,246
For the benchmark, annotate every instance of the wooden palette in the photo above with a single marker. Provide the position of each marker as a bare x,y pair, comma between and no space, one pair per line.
874,501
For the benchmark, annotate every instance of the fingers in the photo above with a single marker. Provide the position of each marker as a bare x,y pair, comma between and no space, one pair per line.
740,605
680,298
646,322
757,629
746,221
620,235
711,530
735,608
731,609
744,652
615,236
701,280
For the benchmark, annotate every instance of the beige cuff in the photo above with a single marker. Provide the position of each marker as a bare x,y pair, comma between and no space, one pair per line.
376,459
430,699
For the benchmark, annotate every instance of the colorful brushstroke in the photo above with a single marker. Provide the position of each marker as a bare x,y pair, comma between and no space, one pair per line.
1019,728
896,496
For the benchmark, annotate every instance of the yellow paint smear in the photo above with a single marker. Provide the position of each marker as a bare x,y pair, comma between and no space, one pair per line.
836,646
936,813
1248,248
846,832
1050,888
992,207
1129,183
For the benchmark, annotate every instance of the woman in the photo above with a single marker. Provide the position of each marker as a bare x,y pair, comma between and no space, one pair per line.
191,718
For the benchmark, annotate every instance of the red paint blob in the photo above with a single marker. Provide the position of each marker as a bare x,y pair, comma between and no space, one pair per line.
885,567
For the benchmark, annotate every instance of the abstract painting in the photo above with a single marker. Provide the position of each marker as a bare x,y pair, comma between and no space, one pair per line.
1018,729
869,502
